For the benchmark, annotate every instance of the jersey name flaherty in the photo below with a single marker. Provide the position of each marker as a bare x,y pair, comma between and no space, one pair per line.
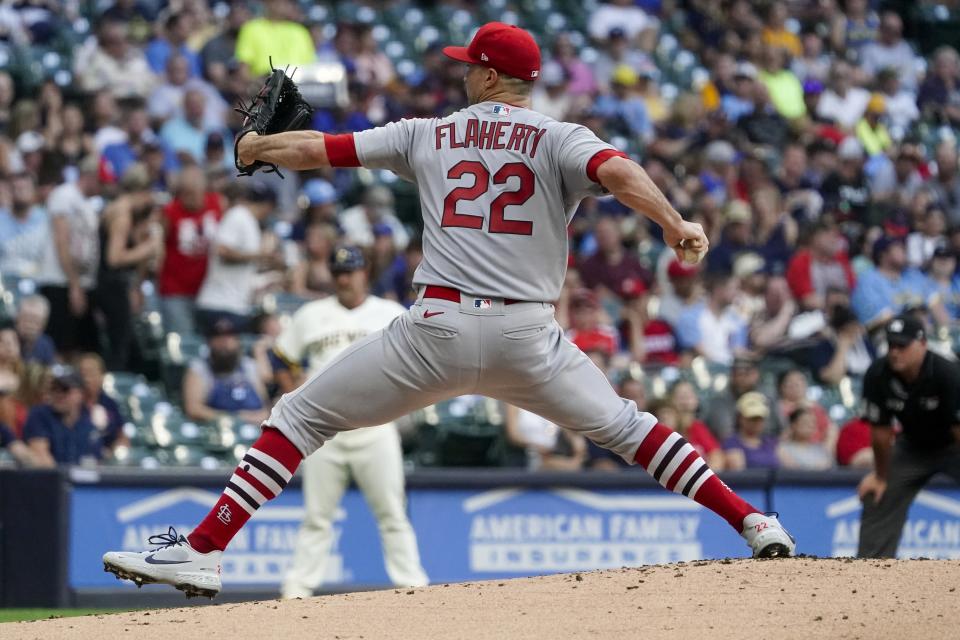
487,134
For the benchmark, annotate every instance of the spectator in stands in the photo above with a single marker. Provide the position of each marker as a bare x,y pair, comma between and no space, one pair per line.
681,291
843,102
930,234
24,229
173,41
939,96
607,269
397,282
812,63
763,126
738,102
236,255
819,266
372,67
278,35
721,412
318,200
226,382
20,452
769,325
33,312
783,87
793,391
775,231
10,359
750,447
377,208
775,32
683,398
589,329
190,222
713,329
897,183
619,14
311,276
114,64
890,51
854,27
884,291
218,53
104,412
623,107
542,444
119,156
616,51
854,447
60,431
550,93
736,238
946,184
167,99
68,273
871,131
841,347
131,242
944,280
846,191
186,135
799,449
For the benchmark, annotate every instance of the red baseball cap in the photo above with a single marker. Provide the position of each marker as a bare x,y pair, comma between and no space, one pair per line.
596,340
504,47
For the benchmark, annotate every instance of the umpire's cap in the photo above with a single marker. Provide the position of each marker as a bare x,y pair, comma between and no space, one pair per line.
346,259
903,330
504,47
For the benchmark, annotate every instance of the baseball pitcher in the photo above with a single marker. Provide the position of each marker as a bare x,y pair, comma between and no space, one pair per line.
318,332
498,184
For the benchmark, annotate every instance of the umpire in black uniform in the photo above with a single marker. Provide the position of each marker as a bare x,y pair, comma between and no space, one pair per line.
922,391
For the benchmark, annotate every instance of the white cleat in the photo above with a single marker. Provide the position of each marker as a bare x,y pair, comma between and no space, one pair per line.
173,562
767,537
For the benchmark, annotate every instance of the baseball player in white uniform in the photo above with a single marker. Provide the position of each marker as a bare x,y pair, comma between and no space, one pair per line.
498,184
318,332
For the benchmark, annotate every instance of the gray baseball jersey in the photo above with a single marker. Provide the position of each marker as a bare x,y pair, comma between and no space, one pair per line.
498,185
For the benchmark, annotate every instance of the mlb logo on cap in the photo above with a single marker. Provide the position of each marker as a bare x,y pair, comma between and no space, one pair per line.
482,303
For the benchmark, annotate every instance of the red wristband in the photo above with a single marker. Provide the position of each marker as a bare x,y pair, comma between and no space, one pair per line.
599,158
341,150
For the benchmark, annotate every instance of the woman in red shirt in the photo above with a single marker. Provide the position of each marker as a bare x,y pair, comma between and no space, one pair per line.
683,398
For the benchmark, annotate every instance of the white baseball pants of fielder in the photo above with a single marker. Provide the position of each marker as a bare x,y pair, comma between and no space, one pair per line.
375,462
440,349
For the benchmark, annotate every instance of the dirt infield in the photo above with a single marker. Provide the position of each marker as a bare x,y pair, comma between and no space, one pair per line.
782,599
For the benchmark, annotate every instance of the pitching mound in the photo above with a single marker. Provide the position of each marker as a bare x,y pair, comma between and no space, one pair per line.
795,598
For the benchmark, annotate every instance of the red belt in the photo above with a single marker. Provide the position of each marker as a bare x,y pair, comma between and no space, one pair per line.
451,294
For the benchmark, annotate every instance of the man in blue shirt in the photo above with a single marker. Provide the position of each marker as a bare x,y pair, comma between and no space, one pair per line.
35,346
60,432
890,287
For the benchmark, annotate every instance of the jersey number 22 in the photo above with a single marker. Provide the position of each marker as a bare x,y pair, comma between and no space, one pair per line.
481,182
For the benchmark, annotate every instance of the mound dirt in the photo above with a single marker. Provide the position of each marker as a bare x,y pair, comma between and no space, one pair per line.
789,598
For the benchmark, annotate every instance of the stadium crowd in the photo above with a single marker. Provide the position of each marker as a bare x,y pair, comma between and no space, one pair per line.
816,145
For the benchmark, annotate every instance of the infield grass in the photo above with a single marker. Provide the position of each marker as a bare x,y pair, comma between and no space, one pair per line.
19,615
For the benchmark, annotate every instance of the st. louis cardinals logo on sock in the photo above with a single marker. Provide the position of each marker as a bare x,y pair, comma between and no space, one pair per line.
224,515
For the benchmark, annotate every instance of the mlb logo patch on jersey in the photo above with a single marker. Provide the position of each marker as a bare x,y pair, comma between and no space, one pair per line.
501,110
482,303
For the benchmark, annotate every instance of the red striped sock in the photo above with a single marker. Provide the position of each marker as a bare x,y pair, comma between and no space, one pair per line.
675,464
260,476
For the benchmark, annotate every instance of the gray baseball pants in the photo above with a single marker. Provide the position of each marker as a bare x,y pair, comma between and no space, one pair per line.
910,469
441,349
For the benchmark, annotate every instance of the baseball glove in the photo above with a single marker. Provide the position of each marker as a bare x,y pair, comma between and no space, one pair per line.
278,106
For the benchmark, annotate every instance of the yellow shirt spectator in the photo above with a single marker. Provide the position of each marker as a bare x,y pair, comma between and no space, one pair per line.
872,133
786,93
285,41
783,39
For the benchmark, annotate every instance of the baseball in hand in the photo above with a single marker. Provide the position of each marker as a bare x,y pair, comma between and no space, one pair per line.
690,252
